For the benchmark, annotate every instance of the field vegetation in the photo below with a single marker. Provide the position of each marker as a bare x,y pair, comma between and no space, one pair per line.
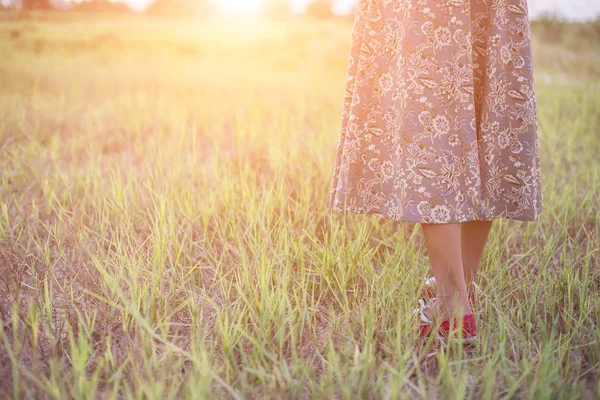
164,230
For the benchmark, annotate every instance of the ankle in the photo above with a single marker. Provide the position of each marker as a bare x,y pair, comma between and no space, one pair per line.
454,303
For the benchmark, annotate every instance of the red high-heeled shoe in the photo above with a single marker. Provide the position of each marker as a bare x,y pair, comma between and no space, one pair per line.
428,291
447,330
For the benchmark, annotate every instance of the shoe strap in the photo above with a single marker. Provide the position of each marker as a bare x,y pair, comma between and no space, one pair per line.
423,308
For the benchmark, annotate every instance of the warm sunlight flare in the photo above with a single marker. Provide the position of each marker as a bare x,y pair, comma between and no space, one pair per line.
238,6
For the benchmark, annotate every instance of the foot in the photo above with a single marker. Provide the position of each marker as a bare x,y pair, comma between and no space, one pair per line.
440,310
453,331
434,313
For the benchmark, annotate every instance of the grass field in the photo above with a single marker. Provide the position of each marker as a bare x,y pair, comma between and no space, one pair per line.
164,230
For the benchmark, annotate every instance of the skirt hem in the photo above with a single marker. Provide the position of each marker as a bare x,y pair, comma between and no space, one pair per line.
419,220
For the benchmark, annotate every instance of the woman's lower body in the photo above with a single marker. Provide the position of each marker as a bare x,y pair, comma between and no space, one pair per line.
439,127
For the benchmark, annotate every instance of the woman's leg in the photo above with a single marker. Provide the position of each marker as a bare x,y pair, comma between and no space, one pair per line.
474,237
443,242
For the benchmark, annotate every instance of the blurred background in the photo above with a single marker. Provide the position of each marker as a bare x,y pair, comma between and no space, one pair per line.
575,10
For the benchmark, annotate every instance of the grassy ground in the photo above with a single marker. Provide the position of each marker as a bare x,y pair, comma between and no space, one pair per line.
164,230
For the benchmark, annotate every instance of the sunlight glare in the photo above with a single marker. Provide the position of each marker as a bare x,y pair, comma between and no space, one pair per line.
239,6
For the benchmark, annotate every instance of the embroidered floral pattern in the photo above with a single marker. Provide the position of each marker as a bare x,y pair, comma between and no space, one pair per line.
439,121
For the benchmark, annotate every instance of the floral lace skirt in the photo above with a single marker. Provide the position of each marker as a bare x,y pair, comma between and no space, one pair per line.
439,120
